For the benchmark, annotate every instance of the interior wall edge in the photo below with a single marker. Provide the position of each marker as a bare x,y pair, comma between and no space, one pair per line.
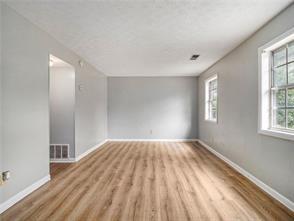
25,78
152,140
80,58
236,136
271,191
22,194
90,150
247,39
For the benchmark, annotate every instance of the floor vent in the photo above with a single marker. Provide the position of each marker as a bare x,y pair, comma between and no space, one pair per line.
59,151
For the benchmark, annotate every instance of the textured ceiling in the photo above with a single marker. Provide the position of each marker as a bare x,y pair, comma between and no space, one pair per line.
150,38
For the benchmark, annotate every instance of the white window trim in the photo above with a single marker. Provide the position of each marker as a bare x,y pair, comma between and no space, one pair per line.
206,112
264,98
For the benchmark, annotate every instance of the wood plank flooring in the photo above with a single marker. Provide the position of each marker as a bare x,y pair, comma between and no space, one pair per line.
57,168
148,181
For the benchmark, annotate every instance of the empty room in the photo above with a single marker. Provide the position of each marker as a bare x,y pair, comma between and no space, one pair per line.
146,110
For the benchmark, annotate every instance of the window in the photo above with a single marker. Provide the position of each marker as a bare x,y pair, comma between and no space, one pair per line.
282,87
276,87
211,99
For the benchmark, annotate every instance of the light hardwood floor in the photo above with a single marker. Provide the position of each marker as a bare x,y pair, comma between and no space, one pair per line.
148,181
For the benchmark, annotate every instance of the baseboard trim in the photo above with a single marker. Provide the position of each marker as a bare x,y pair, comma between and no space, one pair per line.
275,194
90,150
69,160
19,196
153,140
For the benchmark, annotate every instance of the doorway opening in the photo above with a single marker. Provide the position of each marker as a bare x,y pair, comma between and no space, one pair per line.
62,113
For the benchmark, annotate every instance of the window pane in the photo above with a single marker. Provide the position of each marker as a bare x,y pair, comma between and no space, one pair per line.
291,73
280,98
211,108
280,77
215,83
280,57
291,119
211,95
291,52
212,85
290,97
210,112
213,104
213,114
280,118
214,95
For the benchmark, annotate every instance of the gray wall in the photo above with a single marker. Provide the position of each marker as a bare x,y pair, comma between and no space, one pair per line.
91,109
26,101
1,153
62,107
165,105
235,136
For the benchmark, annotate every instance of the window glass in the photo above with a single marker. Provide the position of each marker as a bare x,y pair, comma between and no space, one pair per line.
280,57
291,52
276,87
280,118
280,76
211,99
213,104
283,90
280,98
290,97
290,117
291,73
214,114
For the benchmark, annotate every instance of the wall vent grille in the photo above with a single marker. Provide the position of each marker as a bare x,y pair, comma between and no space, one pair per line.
59,151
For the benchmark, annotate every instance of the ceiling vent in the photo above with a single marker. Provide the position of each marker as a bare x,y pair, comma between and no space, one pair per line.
194,57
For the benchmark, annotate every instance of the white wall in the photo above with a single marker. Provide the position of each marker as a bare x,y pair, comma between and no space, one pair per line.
62,107
235,136
165,105
26,101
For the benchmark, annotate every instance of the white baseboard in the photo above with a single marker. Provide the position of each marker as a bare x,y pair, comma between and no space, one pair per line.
282,199
154,140
90,150
69,160
19,196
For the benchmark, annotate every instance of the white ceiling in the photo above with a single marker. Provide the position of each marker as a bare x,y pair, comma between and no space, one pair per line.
150,38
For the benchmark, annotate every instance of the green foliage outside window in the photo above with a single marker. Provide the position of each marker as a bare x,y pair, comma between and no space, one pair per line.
291,119
280,118
283,87
291,73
